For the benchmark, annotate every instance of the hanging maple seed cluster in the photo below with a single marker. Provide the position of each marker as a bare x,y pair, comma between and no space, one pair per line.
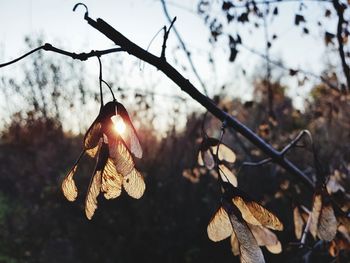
207,158
247,223
239,217
111,139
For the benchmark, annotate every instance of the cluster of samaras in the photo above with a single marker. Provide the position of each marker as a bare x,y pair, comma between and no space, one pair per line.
115,167
239,217
249,224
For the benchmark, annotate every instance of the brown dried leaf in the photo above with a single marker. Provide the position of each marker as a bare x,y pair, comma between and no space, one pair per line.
255,214
93,192
219,227
298,223
111,181
248,247
69,188
134,184
227,175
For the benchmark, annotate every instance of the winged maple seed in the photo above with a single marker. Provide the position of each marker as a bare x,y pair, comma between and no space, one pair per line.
246,222
323,222
300,216
115,167
206,158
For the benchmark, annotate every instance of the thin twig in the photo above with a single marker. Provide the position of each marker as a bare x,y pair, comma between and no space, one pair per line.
100,80
80,56
187,52
294,142
165,38
340,12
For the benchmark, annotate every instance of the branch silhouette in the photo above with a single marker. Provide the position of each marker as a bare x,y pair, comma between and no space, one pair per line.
80,56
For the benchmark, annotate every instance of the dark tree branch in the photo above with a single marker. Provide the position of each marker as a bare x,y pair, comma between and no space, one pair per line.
183,46
340,12
79,56
187,87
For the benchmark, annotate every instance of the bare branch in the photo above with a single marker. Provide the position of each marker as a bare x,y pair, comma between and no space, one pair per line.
79,56
165,38
294,142
187,52
340,12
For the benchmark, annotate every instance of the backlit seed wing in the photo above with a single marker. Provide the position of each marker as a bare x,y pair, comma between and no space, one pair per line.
227,175
298,223
93,192
134,184
96,182
225,153
256,214
267,238
129,136
121,156
315,214
111,181
327,225
219,227
93,135
248,247
69,188
93,151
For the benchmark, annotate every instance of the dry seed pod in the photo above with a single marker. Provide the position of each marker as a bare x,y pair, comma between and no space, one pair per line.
252,212
96,182
219,227
208,150
68,186
323,221
111,181
227,175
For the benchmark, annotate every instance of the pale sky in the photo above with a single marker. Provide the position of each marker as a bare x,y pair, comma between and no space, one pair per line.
139,20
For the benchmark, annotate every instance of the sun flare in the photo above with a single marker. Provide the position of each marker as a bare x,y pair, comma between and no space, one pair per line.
118,124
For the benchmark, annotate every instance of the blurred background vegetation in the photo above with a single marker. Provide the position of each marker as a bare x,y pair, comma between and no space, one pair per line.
41,139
